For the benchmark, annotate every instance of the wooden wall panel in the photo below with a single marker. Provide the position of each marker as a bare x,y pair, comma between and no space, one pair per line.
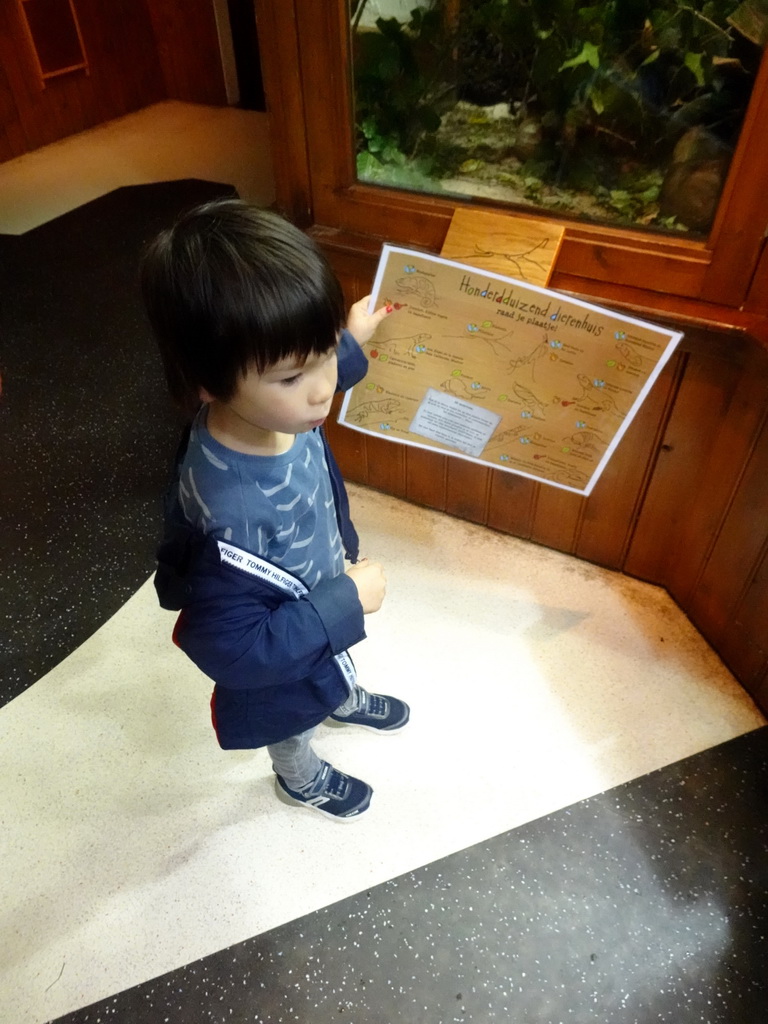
65,102
580,256
124,66
139,52
670,538
743,644
512,504
279,47
349,447
557,518
21,76
467,490
355,274
760,689
731,511
12,141
6,149
732,589
386,466
426,478
610,512
188,47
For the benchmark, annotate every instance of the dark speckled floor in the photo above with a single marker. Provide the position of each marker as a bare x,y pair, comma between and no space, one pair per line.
86,432
646,903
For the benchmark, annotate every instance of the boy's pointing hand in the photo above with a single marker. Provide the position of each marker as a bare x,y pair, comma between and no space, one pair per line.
371,583
361,324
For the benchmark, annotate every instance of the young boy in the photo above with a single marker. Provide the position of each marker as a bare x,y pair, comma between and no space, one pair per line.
248,317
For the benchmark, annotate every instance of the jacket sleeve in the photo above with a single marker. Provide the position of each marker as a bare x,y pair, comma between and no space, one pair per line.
353,363
251,637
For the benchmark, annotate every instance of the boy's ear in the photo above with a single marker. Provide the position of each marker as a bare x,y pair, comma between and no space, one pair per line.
205,396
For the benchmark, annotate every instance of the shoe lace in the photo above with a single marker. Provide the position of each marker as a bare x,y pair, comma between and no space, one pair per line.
377,705
335,784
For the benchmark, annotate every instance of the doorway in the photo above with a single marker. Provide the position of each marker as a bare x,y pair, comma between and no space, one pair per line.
245,46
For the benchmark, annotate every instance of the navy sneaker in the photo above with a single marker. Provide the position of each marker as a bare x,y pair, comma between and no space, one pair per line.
333,793
385,714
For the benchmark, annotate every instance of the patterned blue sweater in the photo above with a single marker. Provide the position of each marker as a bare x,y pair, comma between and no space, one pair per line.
252,555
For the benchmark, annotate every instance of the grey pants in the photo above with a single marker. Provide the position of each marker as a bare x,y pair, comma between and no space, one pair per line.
294,760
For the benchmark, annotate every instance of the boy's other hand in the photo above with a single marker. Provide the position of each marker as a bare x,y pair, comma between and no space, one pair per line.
361,324
371,583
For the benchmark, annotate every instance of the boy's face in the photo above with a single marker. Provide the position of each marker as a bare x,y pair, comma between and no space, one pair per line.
290,397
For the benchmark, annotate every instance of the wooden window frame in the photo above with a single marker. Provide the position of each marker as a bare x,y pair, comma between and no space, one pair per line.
46,76
309,89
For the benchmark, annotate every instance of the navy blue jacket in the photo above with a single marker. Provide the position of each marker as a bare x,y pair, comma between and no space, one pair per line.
276,651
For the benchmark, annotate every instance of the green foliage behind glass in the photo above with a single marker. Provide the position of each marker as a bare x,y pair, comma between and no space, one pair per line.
644,71
400,80
613,86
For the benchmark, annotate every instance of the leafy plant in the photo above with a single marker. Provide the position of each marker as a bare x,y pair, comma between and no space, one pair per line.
610,88
637,73
399,85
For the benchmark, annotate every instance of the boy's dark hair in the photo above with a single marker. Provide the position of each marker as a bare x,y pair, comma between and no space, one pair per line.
231,286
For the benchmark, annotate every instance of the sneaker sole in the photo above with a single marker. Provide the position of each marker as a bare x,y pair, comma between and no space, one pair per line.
337,723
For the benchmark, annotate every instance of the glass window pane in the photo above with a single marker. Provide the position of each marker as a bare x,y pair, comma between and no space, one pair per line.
625,113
